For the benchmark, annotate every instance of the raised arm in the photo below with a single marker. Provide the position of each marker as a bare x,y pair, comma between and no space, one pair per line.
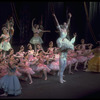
68,22
33,22
55,19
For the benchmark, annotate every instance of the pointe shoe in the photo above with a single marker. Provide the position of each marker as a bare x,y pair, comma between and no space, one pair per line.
70,72
30,82
76,69
86,70
45,78
64,80
61,81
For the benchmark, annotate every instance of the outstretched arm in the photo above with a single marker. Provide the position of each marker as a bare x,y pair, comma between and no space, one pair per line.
33,23
68,22
33,29
58,25
55,19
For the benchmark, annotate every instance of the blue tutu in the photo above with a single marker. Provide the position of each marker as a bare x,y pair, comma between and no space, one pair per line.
10,84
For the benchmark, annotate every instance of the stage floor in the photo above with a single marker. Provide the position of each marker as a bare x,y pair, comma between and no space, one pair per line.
78,85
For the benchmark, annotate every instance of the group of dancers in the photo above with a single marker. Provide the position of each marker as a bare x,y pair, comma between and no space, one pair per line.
35,62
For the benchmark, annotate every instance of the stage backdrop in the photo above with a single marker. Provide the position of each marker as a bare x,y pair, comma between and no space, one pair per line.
24,12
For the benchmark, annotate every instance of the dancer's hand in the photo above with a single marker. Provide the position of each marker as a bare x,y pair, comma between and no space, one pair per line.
75,34
70,15
54,14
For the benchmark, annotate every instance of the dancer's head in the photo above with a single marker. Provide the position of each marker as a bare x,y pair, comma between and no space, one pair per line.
11,51
36,26
38,46
51,44
98,44
17,61
22,48
40,52
90,46
11,57
82,41
64,24
29,46
5,30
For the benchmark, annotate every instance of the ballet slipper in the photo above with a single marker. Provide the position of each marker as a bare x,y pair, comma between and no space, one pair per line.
71,73
76,69
64,80
30,82
45,78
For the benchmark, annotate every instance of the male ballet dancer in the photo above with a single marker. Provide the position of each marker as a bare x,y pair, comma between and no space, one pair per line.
64,45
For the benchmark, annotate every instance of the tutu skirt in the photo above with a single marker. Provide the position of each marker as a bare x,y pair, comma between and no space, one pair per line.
10,84
36,40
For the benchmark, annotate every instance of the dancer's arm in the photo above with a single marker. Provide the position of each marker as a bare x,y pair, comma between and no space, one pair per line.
68,21
46,31
33,25
87,54
58,25
74,38
55,19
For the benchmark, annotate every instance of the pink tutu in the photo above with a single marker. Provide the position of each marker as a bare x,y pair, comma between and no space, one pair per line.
69,61
81,59
74,60
54,66
27,70
30,58
42,67
21,59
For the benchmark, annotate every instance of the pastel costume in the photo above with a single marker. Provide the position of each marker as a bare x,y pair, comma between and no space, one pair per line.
33,65
83,47
25,68
55,64
71,55
30,55
5,45
90,56
20,55
81,58
50,50
41,65
63,43
10,83
36,39
3,70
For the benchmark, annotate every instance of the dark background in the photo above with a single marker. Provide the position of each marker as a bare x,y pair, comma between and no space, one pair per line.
24,11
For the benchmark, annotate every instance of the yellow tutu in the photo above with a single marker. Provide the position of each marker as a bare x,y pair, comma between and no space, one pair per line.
94,64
